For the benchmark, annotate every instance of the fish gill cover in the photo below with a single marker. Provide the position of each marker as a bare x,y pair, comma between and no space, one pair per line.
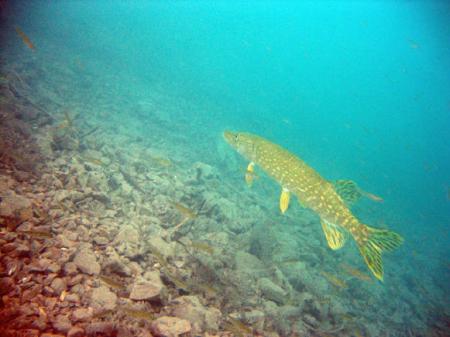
123,208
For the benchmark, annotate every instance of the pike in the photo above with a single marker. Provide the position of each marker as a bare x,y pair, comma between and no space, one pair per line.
318,194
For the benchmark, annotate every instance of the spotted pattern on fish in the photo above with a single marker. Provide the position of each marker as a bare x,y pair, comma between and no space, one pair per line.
316,193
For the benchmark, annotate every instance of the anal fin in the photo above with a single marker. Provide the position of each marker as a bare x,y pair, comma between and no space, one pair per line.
334,235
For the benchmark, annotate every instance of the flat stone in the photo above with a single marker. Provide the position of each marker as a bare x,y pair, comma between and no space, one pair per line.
82,314
74,298
103,298
167,326
86,261
100,329
62,323
146,290
75,331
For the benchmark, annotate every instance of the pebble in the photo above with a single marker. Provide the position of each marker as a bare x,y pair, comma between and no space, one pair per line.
74,298
58,285
70,269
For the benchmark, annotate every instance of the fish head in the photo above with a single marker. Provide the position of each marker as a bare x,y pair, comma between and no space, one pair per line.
241,142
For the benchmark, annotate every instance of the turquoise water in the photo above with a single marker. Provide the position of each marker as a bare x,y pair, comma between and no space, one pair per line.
359,90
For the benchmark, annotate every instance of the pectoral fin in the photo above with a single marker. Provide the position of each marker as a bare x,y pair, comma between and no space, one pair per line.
249,174
334,235
284,200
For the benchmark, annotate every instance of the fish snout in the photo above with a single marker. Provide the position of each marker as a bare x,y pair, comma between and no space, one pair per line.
230,137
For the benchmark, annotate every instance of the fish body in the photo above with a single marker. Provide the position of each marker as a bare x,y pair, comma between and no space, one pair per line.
25,38
334,280
316,193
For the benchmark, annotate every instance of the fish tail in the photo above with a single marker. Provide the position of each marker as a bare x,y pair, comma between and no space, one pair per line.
373,244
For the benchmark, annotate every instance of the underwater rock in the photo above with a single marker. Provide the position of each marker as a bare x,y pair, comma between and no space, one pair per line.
70,269
127,242
86,261
201,318
62,323
149,288
249,264
256,318
98,181
103,299
100,329
6,183
271,291
167,326
201,171
14,209
161,246
115,266
82,314
75,331
263,241
58,285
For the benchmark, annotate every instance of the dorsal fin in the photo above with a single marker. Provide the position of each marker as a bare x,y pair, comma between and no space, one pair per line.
348,191
334,235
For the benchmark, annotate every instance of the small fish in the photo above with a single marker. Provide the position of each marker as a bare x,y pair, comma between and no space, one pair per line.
413,44
139,314
163,162
104,313
185,211
92,160
373,197
37,234
111,282
356,273
25,38
237,327
179,284
206,289
334,280
203,247
291,261
158,255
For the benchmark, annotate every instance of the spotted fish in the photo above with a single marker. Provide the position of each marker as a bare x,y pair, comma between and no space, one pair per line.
318,194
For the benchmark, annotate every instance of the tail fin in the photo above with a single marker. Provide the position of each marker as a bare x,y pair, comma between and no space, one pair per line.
377,241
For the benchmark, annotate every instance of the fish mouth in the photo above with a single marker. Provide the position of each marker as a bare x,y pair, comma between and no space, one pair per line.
230,137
